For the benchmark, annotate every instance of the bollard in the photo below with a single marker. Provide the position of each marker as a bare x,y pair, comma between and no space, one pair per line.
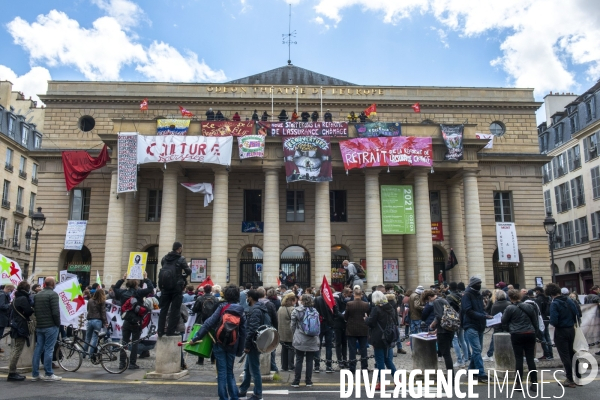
503,355
168,359
24,364
426,352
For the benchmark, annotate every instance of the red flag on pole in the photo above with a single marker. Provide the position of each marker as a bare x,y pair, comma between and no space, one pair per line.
327,294
144,105
205,282
371,110
416,107
185,113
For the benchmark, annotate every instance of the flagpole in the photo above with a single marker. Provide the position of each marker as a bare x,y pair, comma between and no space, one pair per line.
321,101
272,104
296,98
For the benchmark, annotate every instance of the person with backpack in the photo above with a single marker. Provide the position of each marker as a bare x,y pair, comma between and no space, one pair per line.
383,333
543,303
228,321
284,327
520,319
171,281
132,321
258,316
356,329
244,297
463,353
353,273
473,319
96,320
306,327
446,321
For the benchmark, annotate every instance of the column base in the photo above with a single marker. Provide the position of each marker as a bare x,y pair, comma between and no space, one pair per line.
167,377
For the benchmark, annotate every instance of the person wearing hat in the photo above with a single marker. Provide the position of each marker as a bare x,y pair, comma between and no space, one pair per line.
415,311
474,322
543,303
172,296
502,286
328,117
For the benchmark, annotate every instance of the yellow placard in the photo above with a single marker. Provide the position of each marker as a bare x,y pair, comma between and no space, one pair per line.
137,265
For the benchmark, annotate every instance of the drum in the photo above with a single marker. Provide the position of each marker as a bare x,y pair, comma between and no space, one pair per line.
266,339
203,348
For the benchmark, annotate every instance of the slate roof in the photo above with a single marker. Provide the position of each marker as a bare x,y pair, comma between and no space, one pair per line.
291,75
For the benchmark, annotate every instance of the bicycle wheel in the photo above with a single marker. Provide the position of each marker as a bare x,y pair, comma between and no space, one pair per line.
69,356
110,357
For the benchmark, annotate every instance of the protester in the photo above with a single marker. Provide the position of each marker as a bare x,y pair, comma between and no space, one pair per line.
416,311
219,116
459,344
352,275
96,320
352,118
474,322
255,116
306,345
427,316
210,115
21,312
258,316
294,119
282,117
362,117
305,116
314,116
264,117
327,327
327,117
382,317
204,307
272,310
284,318
339,327
5,309
356,329
189,294
47,315
563,316
225,352
520,319
243,297
444,337
236,117
175,271
499,306
594,296
543,303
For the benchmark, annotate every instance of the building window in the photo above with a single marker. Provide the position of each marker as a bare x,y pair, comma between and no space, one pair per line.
31,204
544,143
28,239
595,172
17,234
20,191
574,123
574,156
559,165
497,128
595,217
34,173
569,266
503,207
154,205
337,206
563,197
11,126
590,146
566,233
87,123
23,167
294,206
435,206
252,205
5,194
587,263
9,160
581,230
2,229
577,192
548,201
590,108
80,205
38,141
24,134
558,134
547,173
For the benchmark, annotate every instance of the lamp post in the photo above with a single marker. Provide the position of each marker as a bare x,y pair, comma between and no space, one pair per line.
38,220
550,227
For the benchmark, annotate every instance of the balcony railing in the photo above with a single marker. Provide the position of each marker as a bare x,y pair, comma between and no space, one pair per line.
580,200
567,243
19,209
22,174
563,206
5,203
34,181
585,239
8,167
576,163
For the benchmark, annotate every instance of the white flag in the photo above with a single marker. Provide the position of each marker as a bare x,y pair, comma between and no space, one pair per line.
204,188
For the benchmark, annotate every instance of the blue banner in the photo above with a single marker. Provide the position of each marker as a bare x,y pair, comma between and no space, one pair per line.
252,226
379,129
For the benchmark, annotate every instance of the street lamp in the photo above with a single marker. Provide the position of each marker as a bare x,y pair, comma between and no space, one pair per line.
38,220
550,227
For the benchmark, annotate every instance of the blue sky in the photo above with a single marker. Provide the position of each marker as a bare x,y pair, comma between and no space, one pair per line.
378,42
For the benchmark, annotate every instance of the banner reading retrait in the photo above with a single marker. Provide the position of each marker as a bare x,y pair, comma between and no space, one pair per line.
378,129
453,138
227,128
508,248
307,159
387,151
397,210
164,149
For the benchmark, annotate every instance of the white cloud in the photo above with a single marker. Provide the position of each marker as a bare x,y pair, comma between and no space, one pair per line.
442,35
321,21
30,84
542,36
166,64
127,13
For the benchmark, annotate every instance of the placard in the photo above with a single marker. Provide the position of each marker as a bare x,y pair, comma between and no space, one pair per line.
508,248
539,281
70,300
390,271
75,235
64,275
251,146
397,210
10,271
137,265
378,129
198,267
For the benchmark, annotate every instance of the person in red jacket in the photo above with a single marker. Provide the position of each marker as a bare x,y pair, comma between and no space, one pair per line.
236,117
294,116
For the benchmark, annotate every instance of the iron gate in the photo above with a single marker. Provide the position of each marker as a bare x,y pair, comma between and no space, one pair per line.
297,271
248,272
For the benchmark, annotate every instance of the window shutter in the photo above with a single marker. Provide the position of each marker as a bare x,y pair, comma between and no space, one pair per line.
577,232
557,196
570,156
594,232
567,195
573,192
586,153
555,166
593,106
595,182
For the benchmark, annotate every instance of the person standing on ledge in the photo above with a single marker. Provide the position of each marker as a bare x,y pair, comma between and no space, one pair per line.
171,281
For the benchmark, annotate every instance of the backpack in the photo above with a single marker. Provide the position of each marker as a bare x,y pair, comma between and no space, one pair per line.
209,305
389,334
167,278
360,272
311,325
541,325
229,329
455,301
135,313
450,319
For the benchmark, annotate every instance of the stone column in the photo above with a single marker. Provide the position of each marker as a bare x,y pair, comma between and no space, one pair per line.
457,232
220,224
373,228
473,233
271,256
168,215
423,224
113,250
410,261
130,229
322,233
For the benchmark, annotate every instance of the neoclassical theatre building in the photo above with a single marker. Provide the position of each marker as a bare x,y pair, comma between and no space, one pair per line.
258,223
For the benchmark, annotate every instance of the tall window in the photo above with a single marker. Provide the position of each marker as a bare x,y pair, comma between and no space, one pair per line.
11,126
581,230
9,157
590,108
558,134
38,141
2,229
595,217
574,123
503,207
548,201
154,205
595,172
566,232
80,205
435,206
590,146
31,203
22,165
24,134
20,191
5,194
28,239
577,193
337,206
574,156
563,197
34,172
17,234
294,210
547,172
252,205
544,143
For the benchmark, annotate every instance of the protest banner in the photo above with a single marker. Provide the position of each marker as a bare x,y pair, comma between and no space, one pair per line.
137,265
227,128
297,128
10,270
127,162
165,149
378,129
453,138
251,146
171,126
307,159
70,301
387,151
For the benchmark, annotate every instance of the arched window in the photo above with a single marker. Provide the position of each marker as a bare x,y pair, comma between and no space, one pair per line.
569,266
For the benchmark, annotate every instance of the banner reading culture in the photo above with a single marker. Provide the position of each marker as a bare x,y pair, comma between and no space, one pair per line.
227,128
164,149
453,138
307,159
177,127
378,129
297,128
387,151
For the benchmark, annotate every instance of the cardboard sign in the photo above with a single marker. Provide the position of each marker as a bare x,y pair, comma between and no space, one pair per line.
137,265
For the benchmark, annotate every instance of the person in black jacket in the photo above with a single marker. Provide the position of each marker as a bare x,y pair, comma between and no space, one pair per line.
255,116
543,303
362,117
499,306
328,117
444,337
382,316
210,115
265,117
256,317
339,327
305,116
272,310
314,116
173,297
219,116
132,329
5,309
327,325
282,116
21,311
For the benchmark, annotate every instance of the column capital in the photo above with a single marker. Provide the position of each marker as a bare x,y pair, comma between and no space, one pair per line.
271,169
470,172
220,169
173,168
420,171
371,171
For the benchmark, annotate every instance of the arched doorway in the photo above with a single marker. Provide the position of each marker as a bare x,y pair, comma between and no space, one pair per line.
78,262
339,253
251,261
152,262
508,272
295,263
439,264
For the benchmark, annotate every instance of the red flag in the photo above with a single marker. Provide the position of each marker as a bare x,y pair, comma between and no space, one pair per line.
205,282
278,281
327,293
416,107
144,105
371,110
78,164
185,113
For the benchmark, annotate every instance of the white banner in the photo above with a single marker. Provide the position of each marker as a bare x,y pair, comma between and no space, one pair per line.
75,235
10,271
488,136
506,236
164,149
70,301
204,188
127,162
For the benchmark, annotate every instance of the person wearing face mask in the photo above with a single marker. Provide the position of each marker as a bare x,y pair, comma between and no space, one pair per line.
474,322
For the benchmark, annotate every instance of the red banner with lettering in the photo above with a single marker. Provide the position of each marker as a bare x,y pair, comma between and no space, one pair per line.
78,164
227,128
387,151
437,232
